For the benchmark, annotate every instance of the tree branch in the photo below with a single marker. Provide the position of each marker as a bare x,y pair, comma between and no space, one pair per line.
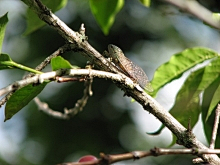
194,8
52,76
184,137
135,155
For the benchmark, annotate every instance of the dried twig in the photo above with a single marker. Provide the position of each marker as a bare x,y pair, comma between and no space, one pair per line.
135,155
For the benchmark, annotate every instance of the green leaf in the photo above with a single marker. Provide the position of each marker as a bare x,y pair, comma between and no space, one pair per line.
3,23
187,104
188,97
158,131
33,22
5,62
105,11
145,2
178,64
186,107
60,63
208,124
21,98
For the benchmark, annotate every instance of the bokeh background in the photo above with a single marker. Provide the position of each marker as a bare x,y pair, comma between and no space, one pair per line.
109,123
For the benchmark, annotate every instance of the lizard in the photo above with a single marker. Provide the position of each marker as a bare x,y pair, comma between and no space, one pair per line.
128,67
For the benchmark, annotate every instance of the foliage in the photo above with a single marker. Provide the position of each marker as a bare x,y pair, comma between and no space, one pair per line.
105,12
3,23
188,95
188,104
61,63
21,98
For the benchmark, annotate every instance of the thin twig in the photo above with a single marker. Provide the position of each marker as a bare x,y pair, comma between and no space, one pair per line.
46,109
194,8
68,113
135,155
215,127
63,49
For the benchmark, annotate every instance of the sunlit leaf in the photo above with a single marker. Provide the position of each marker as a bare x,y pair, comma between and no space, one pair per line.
145,2
187,106
21,98
3,23
105,11
34,23
178,64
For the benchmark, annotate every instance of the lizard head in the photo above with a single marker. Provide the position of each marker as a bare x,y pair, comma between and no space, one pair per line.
114,49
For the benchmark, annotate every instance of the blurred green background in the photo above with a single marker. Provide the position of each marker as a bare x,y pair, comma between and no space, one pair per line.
109,123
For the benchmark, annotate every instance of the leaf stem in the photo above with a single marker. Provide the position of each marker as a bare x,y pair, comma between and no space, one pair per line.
19,66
